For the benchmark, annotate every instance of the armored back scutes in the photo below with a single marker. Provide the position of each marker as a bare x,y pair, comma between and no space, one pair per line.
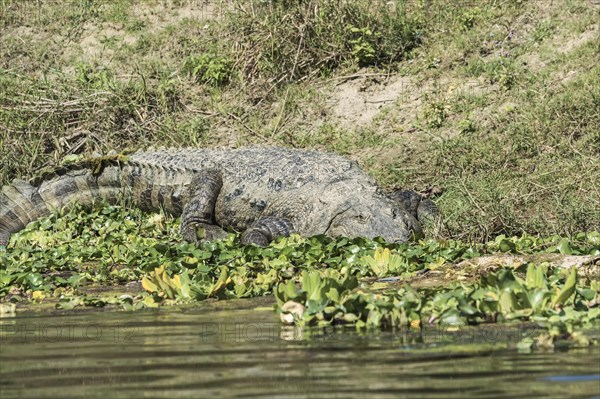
266,191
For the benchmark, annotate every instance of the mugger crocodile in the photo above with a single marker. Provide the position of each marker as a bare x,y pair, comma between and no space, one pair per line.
264,192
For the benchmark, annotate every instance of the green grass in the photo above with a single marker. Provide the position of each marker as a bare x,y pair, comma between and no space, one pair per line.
516,152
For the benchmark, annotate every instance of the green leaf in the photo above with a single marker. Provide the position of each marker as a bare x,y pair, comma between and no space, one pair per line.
567,290
334,295
587,293
287,291
506,245
184,285
149,285
536,277
468,309
507,301
315,306
525,345
538,298
564,247
452,317
35,280
312,284
5,279
66,304
220,284
350,317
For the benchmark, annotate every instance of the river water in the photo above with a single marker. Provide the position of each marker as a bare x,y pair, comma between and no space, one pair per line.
239,349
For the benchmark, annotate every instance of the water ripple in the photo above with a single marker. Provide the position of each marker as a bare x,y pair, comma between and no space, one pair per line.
245,353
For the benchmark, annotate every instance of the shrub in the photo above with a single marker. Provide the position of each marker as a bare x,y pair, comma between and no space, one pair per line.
209,68
295,39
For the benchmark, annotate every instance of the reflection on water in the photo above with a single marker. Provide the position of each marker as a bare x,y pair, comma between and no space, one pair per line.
213,352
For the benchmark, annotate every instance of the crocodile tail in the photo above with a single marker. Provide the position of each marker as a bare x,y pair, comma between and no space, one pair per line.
23,202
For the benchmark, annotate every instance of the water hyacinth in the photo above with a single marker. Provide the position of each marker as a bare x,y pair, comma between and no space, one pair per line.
317,281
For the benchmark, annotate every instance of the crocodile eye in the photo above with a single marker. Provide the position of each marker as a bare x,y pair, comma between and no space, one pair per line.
395,213
361,218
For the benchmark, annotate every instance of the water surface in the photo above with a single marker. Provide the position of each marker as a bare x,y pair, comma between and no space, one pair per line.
240,349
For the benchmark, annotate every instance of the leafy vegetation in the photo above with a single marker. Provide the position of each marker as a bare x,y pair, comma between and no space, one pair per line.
317,281
209,68
501,113
318,36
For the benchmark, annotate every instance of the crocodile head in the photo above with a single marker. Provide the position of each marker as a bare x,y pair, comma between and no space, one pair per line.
378,217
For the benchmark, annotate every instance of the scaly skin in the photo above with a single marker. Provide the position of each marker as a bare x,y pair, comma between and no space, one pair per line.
265,192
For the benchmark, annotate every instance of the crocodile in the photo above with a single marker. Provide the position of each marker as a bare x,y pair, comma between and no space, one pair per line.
263,192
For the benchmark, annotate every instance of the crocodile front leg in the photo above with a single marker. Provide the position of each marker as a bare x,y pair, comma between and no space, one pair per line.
421,208
199,212
266,229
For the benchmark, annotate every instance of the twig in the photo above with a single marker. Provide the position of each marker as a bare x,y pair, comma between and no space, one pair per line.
239,120
357,75
380,101
273,86
276,128
298,52
462,182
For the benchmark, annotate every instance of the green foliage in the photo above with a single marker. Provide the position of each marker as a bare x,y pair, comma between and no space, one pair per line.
467,126
468,18
318,36
435,114
163,285
549,298
502,70
94,77
333,281
383,262
209,68
363,45
543,29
